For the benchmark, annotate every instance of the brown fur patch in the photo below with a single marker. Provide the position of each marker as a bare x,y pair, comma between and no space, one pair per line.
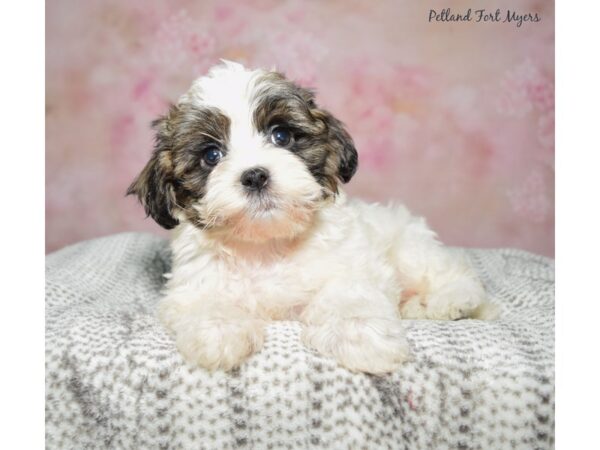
320,140
175,176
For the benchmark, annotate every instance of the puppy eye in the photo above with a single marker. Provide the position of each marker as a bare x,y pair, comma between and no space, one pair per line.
212,156
281,136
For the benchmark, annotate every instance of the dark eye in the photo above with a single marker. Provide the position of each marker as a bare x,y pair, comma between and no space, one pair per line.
212,156
281,136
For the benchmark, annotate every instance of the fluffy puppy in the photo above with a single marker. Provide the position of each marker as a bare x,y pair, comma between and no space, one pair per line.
247,170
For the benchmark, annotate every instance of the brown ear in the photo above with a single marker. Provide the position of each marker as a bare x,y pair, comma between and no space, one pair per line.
343,146
154,185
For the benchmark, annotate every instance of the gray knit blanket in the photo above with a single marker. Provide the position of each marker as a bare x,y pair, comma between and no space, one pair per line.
114,378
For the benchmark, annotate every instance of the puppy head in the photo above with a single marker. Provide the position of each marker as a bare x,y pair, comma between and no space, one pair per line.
245,155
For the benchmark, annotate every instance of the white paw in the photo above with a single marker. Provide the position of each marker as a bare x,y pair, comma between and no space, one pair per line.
374,346
457,299
219,344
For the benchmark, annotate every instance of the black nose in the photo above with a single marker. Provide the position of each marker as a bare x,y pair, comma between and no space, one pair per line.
255,179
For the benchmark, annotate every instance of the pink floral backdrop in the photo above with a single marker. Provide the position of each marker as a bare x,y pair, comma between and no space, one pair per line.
456,120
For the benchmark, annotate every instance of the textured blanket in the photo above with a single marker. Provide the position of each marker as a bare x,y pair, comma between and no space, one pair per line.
115,380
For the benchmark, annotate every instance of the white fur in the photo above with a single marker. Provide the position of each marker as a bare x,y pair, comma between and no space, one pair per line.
349,271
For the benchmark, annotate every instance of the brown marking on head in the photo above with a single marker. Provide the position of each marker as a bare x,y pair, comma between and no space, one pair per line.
176,175
319,139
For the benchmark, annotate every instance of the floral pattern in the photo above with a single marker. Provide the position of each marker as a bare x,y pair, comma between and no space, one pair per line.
456,120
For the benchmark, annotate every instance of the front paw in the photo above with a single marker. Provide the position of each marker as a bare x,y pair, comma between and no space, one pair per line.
375,346
218,343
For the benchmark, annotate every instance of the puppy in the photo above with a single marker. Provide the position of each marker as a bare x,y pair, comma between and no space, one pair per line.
247,170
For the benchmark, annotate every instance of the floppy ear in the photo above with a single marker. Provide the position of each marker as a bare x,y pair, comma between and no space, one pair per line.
154,185
347,151
343,146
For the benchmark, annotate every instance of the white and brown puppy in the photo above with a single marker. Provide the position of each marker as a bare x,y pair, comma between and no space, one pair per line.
247,170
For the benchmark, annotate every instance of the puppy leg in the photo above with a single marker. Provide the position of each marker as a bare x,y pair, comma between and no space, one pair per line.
211,334
358,326
448,292
437,284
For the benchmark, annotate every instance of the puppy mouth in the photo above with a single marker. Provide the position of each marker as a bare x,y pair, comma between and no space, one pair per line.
261,205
